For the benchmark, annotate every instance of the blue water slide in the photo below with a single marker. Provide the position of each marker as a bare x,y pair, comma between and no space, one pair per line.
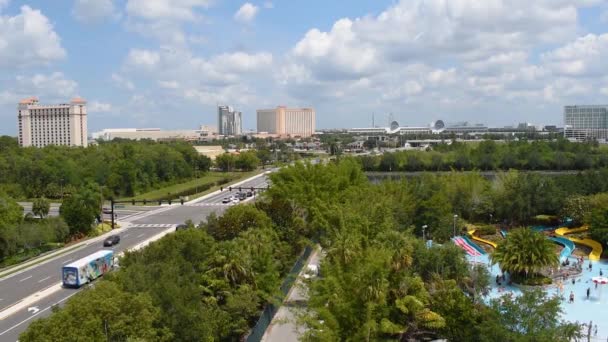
503,233
568,247
473,244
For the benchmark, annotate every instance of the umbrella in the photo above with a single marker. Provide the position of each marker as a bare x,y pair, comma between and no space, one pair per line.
600,280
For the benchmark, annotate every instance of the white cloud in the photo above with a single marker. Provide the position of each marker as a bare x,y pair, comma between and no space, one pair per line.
143,58
168,84
122,82
93,11
99,107
166,9
246,13
54,84
28,39
587,55
3,3
604,91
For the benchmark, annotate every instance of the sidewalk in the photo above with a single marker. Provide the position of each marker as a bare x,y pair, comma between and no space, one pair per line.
284,327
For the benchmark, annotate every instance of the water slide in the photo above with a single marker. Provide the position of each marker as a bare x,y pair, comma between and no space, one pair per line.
469,247
568,247
503,233
596,247
487,242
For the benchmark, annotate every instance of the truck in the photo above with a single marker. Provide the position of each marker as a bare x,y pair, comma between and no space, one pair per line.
87,269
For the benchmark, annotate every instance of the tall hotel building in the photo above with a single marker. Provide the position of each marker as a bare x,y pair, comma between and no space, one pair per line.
60,124
229,121
586,122
287,121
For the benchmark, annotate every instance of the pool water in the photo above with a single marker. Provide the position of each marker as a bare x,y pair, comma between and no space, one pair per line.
582,310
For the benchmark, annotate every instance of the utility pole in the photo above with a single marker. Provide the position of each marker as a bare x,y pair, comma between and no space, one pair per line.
423,229
112,210
455,218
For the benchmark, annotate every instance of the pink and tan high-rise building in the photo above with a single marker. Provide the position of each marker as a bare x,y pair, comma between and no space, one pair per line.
61,124
287,121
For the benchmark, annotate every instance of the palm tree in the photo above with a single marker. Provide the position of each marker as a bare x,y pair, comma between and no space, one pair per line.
525,251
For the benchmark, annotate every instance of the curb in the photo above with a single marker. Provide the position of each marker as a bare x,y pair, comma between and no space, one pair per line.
33,298
41,259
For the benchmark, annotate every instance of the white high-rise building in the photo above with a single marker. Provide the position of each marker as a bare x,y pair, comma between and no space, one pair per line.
60,124
586,122
229,121
287,121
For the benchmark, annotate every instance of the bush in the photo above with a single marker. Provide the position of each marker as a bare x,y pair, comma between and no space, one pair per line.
545,220
533,280
486,230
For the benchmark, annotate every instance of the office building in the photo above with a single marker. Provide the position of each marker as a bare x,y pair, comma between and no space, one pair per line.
229,121
61,124
283,121
586,122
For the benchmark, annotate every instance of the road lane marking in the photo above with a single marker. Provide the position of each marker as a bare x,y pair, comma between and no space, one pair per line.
24,279
43,279
66,261
37,313
140,235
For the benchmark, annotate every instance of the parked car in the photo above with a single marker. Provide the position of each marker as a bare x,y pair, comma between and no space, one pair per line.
106,210
111,241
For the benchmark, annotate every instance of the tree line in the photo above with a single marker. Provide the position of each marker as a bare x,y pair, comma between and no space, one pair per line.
559,154
119,168
378,281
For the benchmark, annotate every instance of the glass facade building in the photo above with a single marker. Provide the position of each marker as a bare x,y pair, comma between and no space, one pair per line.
586,122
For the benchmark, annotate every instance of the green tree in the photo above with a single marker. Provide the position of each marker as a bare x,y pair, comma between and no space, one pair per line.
102,313
534,316
247,161
524,252
238,219
225,162
599,225
80,210
41,207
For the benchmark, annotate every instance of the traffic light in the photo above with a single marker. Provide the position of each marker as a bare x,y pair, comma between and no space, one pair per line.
169,201
221,188
252,189
239,189
145,201
181,200
160,202
230,188
133,202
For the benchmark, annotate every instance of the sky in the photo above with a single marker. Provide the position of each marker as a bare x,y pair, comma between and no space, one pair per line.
169,63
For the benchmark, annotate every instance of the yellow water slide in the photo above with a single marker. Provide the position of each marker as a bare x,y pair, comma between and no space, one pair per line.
596,247
488,242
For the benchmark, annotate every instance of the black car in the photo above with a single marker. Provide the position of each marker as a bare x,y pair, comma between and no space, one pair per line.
249,193
111,241
242,196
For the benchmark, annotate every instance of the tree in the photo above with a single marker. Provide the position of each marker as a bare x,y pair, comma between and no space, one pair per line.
41,207
238,219
11,213
247,161
524,252
80,210
102,313
226,162
599,225
534,316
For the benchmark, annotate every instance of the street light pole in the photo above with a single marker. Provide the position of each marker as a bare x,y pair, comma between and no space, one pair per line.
455,218
423,229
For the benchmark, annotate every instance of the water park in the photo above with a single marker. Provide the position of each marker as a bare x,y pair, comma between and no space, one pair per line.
580,278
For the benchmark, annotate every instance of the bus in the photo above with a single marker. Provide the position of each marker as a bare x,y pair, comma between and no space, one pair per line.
87,269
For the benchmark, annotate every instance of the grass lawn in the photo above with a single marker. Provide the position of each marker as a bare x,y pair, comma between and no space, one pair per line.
209,179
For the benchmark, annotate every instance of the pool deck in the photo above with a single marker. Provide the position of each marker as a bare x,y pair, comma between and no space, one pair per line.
582,310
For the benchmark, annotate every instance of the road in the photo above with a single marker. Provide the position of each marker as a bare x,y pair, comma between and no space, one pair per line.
22,285
122,212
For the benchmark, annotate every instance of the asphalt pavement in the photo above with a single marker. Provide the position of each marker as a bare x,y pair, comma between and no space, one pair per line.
144,223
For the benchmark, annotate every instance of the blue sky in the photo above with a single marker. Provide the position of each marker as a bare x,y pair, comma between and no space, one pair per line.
167,63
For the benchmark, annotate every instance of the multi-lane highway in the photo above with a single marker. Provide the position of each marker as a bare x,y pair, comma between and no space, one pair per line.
22,287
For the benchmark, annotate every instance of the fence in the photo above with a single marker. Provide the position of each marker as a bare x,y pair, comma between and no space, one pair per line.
257,332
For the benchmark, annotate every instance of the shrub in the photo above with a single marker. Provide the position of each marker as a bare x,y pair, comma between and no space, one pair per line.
486,230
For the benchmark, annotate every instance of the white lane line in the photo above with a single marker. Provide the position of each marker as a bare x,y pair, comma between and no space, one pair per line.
24,279
140,235
43,279
66,261
36,314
